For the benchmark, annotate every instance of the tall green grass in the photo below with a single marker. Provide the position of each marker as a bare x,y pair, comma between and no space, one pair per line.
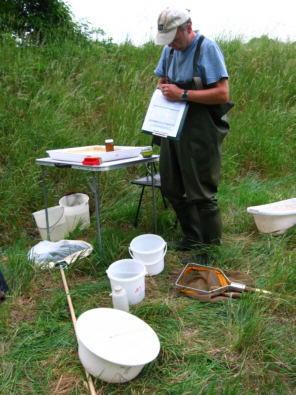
74,92
262,84
69,93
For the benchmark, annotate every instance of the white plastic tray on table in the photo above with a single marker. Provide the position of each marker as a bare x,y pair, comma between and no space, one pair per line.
78,154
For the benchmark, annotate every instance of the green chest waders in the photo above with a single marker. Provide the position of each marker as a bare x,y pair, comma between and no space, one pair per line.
190,173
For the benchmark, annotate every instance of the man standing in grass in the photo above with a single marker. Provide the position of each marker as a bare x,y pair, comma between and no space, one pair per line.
192,68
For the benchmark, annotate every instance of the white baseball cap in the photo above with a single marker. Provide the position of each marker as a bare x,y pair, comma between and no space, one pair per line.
168,22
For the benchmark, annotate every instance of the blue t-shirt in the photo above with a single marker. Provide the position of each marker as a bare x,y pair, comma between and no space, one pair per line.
211,66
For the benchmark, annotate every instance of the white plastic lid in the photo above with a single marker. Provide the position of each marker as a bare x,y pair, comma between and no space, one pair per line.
117,336
108,141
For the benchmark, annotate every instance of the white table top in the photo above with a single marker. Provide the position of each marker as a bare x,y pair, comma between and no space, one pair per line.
112,165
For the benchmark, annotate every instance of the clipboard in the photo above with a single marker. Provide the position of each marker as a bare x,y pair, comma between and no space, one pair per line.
164,118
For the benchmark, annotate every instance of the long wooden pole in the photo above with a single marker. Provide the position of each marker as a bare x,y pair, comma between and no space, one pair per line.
72,312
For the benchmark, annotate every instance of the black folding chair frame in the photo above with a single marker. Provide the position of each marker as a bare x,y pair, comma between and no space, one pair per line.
147,182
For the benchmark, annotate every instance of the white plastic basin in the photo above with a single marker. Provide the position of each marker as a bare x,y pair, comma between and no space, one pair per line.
115,345
274,217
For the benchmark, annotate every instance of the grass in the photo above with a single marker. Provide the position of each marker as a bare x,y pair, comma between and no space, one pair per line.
69,93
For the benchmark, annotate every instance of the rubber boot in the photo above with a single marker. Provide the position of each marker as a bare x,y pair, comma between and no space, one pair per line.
189,218
211,225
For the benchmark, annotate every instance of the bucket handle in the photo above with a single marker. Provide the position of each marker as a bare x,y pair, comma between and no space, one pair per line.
145,271
150,263
53,225
63,213
131,252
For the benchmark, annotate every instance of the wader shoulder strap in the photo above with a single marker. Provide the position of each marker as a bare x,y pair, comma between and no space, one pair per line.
196,55
170,61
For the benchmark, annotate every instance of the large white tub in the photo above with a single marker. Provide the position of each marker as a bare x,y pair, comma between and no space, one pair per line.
274,217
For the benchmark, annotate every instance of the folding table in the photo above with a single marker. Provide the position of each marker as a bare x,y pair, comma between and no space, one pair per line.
107,166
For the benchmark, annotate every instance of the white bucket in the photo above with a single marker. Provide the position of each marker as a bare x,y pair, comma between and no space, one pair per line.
157,267
149,249
56,222
130,275
76,210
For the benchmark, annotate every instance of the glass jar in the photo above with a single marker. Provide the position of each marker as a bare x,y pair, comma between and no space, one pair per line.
109,144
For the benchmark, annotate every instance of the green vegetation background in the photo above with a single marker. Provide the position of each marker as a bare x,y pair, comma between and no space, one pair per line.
69,93
72,91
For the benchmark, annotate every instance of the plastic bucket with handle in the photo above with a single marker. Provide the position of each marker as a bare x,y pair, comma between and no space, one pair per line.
56,222
76,208
149,249
130,275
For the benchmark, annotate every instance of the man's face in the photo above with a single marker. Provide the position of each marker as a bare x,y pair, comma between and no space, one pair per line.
181,40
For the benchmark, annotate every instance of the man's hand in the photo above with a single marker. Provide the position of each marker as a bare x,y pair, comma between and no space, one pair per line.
170,91
218,93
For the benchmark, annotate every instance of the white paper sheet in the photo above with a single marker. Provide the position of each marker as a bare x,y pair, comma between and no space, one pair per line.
164,118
